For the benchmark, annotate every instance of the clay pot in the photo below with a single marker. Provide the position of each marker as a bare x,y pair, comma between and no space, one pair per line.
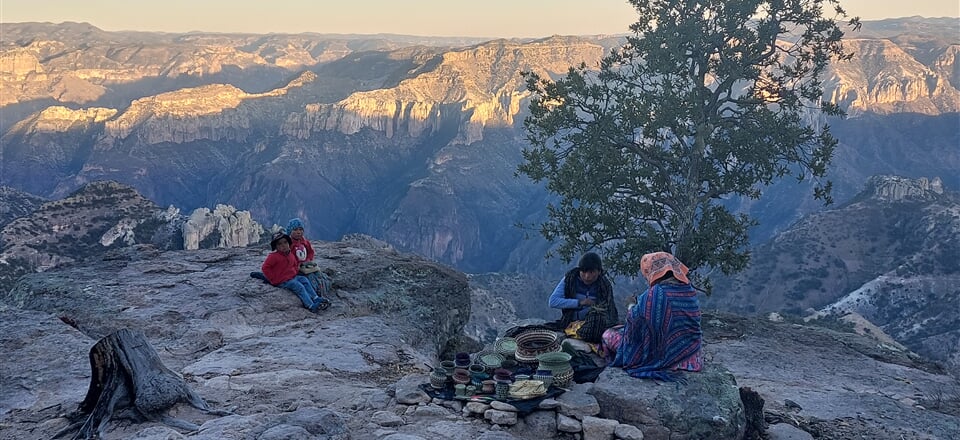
488,386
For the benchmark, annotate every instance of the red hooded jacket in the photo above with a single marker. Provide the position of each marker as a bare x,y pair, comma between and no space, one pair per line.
280,268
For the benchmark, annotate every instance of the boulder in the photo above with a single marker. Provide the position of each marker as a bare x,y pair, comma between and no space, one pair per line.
595,428
498,417
628,432
707,406
568,424
577,402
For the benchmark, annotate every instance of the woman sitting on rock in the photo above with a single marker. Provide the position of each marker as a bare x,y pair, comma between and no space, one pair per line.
662,333
585,299
281,269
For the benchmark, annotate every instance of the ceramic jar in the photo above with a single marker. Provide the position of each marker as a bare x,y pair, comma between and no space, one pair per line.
501,374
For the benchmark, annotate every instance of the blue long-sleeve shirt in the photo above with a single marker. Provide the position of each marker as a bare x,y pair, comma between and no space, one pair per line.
558,301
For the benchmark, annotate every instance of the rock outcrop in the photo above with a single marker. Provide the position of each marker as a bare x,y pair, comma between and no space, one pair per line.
706,406
884,78
225,226
899,189
107,215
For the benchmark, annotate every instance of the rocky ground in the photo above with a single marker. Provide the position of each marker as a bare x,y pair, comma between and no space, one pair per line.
352,370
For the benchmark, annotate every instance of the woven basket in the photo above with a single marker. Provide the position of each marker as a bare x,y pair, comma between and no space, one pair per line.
506,347
563,379
490,361
534,342
557,362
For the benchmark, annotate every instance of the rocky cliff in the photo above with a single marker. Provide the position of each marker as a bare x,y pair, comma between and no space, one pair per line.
884,78
107,215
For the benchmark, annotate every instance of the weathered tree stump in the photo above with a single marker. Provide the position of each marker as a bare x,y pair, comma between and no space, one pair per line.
753,409
130,380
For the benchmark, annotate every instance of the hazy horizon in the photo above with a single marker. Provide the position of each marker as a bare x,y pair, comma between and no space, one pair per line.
433,18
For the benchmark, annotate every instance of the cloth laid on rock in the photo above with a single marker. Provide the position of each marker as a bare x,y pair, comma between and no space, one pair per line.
584,368
662,333
524,406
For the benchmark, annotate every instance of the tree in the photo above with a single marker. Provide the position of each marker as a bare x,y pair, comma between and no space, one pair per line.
707,99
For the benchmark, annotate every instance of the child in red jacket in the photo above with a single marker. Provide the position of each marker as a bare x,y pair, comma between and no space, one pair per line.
282,270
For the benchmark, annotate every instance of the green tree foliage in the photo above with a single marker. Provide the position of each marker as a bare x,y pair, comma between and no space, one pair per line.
707,99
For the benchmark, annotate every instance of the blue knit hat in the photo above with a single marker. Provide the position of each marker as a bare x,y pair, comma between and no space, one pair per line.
294,224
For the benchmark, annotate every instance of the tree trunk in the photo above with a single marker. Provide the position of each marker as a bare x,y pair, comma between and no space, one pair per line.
128,376
753,409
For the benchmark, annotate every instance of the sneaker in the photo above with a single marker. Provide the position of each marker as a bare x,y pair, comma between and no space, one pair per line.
324,304
315,306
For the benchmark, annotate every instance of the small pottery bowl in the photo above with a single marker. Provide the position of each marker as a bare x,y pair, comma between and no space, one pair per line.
488,386
461,376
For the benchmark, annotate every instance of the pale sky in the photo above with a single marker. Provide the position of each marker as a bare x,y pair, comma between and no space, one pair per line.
472,18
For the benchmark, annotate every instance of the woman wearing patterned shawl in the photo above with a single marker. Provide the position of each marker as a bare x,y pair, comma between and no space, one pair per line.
662,333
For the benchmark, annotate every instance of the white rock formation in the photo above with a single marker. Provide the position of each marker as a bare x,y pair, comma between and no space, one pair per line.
234,228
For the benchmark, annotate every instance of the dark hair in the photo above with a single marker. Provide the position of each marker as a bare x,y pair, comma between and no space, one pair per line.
666,276
279,235
590,261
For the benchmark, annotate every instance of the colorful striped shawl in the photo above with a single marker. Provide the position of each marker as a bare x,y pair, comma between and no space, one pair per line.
661,331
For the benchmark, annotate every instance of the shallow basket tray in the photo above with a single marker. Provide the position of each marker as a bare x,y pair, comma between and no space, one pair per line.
506,347
527,389
490,361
